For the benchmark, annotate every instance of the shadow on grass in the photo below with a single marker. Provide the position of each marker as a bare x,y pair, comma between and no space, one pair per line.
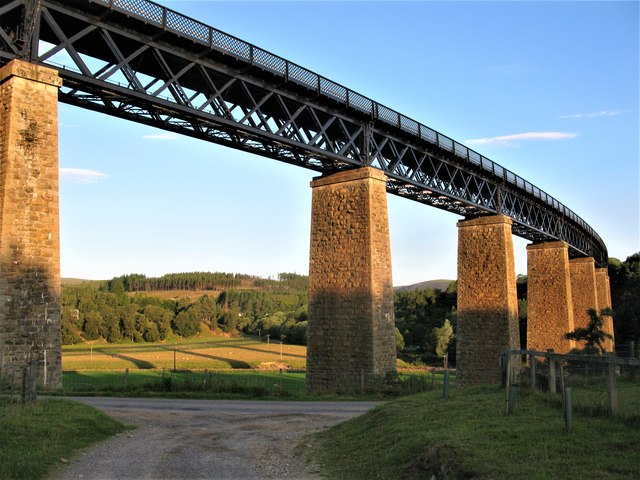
230,361
142,364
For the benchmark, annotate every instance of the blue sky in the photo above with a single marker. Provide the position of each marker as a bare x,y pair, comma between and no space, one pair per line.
549,90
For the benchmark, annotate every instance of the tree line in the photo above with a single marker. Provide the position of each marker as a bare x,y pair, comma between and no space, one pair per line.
191,281
426,320
90,313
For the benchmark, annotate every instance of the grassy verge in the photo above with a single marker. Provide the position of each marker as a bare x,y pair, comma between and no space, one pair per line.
222,384
469,436
38,436
196,384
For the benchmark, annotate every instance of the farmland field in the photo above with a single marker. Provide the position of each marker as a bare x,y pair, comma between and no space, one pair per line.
212,353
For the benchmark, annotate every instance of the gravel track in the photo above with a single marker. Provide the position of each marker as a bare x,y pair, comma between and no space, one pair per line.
213,439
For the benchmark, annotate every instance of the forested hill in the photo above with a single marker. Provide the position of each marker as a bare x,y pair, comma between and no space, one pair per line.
286,282
435,284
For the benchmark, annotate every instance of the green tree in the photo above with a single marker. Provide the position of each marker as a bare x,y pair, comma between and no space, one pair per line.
151,333
161,317
128,322
625,298
92,325
444,337
399,341
593,334
186,323
70,333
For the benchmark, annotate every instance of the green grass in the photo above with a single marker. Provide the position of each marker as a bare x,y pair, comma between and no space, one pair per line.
197,384
209,352
469,436
36,437
589,396
221,384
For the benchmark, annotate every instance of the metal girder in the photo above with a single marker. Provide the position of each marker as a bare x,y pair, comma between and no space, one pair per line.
140,61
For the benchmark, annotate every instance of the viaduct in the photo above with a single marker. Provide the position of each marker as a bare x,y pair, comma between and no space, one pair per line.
140,61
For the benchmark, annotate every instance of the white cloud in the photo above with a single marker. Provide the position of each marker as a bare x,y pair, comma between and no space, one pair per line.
81,175
161,136
603,113
513,140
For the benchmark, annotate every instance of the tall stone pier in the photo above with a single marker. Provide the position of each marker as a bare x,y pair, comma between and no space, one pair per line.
603,297
487,298
29,222
583,291
351,341
549,299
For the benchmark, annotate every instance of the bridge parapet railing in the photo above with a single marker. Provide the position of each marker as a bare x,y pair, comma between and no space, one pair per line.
210,37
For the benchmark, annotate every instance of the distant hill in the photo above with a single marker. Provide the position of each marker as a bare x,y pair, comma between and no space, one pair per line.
439,284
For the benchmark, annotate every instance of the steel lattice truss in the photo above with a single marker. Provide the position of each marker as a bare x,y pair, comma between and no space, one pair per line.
137,60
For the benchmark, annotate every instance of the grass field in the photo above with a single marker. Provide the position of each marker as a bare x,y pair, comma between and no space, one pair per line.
212,353
194,384
35,438
470,436
211,366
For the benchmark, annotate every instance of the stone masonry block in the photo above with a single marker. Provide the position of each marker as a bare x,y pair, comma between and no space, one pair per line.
583,291
351,322
549,299
29,221
487,300
603,296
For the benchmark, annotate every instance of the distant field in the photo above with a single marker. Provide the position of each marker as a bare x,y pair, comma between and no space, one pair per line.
192,295
213,353
76,281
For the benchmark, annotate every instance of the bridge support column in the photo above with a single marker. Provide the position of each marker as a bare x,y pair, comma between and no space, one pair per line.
29,222
583,291
487,299
549,300
603,296
351,341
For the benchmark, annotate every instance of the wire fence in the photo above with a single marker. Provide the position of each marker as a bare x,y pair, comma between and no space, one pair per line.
594,385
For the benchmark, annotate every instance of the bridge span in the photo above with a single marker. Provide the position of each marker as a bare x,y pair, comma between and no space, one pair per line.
140,61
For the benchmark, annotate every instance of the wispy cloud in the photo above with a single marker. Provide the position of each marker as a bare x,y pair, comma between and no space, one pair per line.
603,113
162,136
81,175
515,139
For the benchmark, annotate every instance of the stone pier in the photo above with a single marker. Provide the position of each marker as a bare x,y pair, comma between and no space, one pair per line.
549,299
487,298
583,291
351,342
29,222
603,297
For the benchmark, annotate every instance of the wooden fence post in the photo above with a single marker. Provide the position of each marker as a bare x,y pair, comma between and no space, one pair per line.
445,387
30,381
511,402
552,372
611,388
532,371
508,378
562,384
568,413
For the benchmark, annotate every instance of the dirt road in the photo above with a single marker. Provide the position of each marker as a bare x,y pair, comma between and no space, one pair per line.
216,439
